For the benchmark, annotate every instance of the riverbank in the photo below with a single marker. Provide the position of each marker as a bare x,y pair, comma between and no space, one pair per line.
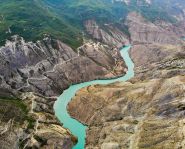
77,128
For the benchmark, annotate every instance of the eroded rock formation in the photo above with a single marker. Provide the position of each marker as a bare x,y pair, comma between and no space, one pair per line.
30,73
144,31
30,123
146,112
107,34
49,66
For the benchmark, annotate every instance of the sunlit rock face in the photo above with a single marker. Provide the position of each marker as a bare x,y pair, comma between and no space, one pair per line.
49,66
139,115
145,112
144,31
107,34
30,73
30,123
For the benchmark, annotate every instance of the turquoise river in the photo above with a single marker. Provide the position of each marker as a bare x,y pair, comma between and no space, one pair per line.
77,128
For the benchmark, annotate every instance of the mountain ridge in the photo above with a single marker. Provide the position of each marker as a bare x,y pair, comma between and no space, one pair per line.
37,66
64,20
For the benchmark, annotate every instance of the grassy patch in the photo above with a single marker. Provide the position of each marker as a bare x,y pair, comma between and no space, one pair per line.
15,109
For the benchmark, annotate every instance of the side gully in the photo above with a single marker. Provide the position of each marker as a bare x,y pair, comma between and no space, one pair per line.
77,128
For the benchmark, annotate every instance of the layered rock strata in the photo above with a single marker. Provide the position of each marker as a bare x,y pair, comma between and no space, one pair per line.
33,74
143,31
108,34
49,66
146,112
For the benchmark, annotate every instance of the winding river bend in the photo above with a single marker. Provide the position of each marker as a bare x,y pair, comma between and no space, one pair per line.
73,125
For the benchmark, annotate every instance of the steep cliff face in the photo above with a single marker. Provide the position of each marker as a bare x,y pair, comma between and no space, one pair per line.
49,66
107,34
138,30
146,112
177,29
145,54
121,115
144,31
168,66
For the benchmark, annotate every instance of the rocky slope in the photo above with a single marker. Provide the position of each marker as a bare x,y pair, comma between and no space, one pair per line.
118,114
137,30
144,31
30,73
49,66
107,34
146,112
30,123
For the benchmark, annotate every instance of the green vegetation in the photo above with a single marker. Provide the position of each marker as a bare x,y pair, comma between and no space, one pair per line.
15,109
33,20
77,11
154,13
17,102
63,19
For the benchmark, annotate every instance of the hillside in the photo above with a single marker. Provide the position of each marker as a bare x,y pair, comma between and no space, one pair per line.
48,46
64,19
33,21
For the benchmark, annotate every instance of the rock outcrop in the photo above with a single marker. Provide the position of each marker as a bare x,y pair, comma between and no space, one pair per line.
144,31
107,34
145,54
49,66
46,67
32,75
30,123
146,112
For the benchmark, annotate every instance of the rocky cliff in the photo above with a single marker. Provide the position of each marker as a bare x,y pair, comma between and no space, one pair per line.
143,31
146,112
30,123
136,29
107,33
142,113
30,73
49,66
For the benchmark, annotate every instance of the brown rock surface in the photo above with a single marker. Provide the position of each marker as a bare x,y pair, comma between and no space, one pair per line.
146,54
144,31
49,66
46,67
30,123
107,34
146,112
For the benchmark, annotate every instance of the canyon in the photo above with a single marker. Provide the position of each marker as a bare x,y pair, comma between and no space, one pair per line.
37,73
147,111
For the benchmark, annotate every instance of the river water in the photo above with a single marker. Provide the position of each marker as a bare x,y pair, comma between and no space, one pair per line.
77,128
